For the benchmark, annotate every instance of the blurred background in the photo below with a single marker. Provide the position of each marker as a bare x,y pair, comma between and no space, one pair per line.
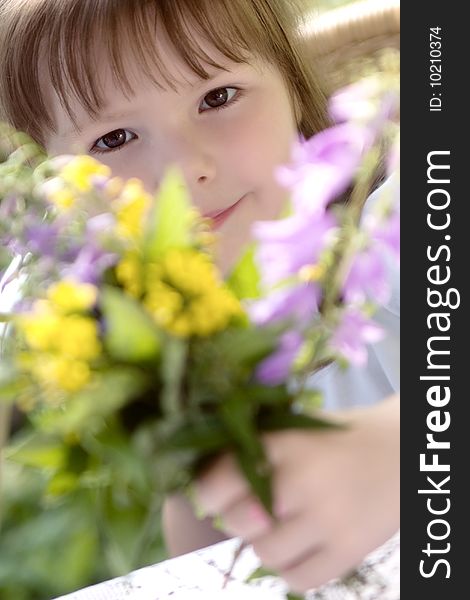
50,546
350,39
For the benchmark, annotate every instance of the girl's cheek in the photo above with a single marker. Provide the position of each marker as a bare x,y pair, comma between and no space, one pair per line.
134,162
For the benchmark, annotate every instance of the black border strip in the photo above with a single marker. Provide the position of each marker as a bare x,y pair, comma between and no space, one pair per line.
425,131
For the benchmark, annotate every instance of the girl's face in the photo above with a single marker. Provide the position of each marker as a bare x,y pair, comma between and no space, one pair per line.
227,134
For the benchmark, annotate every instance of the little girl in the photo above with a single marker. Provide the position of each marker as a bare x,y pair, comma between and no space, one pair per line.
223,89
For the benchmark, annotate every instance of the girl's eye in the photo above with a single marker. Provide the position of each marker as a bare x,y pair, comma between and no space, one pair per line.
114,140
219,98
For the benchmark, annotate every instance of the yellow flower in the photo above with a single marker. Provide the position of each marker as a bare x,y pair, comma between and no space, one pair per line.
60,348
57,191
59,372
78,338
213,311
190,271
207,239
129,272
80,170
182,326
132,206
165,303
73,335
40,330
310,273
62,197
113,187
71,296
186,297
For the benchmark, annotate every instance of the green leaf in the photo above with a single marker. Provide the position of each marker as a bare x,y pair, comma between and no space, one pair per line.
33,451
12,383
170,225
268,396
261,572
125,524
281,420
88,409
258,474
246,345
62,483
206,436
130,333
59,539
124,462
173,370
237,413
309,399
218,523
5,255
244,279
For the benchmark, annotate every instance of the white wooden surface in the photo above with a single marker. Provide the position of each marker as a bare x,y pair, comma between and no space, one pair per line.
200,576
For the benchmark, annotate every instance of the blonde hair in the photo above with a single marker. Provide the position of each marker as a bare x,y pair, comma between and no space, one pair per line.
56,40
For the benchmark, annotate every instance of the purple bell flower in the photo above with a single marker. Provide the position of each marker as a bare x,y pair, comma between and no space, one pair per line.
275,369
367,278
285,246
354,332
298,303
324,165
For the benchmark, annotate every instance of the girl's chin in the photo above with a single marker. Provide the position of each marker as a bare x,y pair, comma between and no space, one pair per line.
228,252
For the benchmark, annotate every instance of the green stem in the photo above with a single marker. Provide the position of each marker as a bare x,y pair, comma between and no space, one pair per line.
174,363
342,253
345,245
148,531
5,419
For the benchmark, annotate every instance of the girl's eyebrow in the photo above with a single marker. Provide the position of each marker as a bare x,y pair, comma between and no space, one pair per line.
105,117
74,132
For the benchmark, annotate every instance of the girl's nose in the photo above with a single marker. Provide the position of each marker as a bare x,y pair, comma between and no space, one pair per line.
199,171
195,158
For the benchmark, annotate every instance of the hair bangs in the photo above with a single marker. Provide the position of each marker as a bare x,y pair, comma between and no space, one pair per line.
127,31
56,42
59,44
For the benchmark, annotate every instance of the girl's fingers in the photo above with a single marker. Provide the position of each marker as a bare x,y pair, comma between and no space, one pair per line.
289,543
247,519
283,446
318,567
221,486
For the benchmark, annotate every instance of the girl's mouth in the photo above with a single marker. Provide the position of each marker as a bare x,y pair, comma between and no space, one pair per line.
218,217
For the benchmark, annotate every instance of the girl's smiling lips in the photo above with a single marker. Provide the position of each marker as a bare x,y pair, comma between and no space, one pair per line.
218,217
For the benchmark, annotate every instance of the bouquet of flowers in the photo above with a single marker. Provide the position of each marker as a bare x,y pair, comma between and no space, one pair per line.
135,363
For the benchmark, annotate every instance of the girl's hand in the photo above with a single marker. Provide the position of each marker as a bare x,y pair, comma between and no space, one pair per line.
336,496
